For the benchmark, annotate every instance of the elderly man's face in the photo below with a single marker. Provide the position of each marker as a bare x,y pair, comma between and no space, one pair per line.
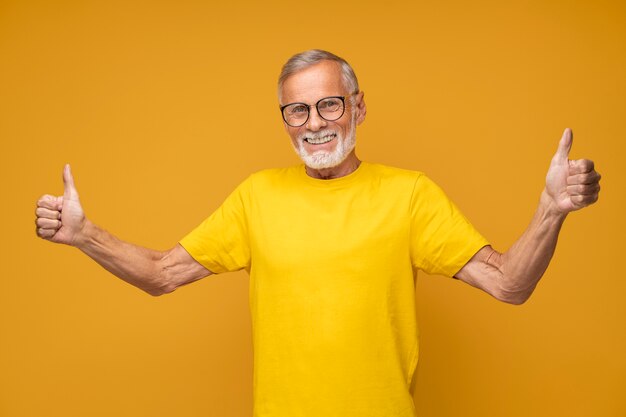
321,143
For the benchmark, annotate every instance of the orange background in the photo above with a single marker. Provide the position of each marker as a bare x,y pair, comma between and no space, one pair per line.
162,107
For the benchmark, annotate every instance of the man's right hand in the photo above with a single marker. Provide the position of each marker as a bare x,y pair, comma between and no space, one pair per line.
61,219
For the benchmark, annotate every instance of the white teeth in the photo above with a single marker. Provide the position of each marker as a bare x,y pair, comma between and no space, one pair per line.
320,140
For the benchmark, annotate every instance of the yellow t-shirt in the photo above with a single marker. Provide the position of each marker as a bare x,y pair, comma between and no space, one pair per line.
332,267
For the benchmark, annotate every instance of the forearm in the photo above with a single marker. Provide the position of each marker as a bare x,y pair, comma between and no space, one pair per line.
523,265
512,276
134,264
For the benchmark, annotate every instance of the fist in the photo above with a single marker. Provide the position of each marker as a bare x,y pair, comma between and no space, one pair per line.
571,184
60,219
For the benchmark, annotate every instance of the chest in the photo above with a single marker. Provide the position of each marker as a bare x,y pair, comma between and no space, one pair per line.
298,228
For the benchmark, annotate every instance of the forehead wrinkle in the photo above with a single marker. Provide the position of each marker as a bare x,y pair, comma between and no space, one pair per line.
313,83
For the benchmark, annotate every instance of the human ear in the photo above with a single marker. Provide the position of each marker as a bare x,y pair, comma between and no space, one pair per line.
361,108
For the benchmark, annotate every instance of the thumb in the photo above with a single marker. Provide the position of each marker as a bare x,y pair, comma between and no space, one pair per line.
565,145
70,192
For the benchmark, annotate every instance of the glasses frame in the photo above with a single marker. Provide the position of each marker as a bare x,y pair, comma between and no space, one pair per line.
308,107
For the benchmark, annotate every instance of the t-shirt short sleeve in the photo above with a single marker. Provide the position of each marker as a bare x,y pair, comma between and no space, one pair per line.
220,243
442,239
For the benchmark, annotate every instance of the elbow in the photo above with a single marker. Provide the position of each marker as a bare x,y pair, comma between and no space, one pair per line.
159,291
153,292
515,296
519,300
162,288
514,289
163,284
162,281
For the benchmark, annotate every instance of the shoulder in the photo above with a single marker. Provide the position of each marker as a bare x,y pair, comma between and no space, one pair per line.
392,172
270,179
275,173
274,176
394,175
423,190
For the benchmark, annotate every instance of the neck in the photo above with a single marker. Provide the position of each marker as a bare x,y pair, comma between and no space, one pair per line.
348,166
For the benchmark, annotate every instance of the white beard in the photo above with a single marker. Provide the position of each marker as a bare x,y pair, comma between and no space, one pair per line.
324,159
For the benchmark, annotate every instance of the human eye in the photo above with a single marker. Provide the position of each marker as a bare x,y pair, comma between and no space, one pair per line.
297,109
330,104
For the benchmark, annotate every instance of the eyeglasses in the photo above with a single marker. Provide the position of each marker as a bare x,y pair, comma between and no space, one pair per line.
328,108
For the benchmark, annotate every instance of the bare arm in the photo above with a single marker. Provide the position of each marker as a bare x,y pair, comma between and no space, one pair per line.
62,220
512,276
153,271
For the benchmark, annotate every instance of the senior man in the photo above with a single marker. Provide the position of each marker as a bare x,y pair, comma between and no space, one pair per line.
332,248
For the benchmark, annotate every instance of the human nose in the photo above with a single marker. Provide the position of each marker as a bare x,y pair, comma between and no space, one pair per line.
315,122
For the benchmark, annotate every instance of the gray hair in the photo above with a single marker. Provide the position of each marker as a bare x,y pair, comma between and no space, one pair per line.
307,59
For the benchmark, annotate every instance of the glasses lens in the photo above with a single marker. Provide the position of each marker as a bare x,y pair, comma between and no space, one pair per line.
330,108
296,114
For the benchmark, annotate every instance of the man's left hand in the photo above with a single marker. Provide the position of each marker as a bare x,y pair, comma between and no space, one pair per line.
571,184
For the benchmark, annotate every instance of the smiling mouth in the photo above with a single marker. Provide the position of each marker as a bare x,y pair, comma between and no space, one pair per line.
320,140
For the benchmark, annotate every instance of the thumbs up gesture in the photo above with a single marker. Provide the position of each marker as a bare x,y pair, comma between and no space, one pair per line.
571,184
60,219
